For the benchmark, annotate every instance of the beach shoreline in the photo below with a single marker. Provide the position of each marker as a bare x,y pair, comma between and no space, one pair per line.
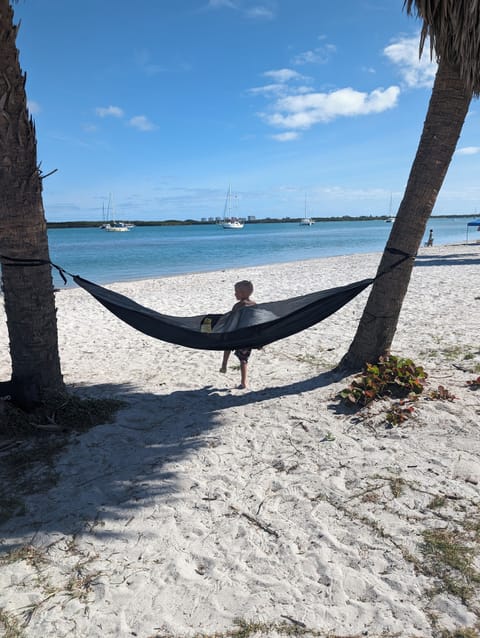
203,503
274,264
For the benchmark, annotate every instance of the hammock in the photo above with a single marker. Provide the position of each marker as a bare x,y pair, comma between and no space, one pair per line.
247,327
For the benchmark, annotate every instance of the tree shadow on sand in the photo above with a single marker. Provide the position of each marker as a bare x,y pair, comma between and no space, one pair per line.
465,259
113,469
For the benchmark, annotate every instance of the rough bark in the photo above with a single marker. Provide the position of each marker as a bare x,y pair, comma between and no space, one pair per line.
446,114
28,291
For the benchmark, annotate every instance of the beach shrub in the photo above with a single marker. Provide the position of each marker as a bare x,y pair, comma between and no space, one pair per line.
391,376
398,413
442,394
474,384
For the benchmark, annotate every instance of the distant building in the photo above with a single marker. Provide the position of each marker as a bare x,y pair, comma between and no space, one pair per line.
251,218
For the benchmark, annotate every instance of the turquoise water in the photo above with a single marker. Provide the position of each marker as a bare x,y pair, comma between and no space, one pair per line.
159,251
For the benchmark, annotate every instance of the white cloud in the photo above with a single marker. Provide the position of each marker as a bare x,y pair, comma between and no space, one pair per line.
303,111
288,136
220,4
283,75
268,89
260,12
142,123
319,55
33,107
114,111
280,85
468,150
414,71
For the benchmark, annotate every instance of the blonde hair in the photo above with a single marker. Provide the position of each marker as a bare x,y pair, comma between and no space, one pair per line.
245,285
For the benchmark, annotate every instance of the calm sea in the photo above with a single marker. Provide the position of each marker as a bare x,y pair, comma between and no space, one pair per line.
158,251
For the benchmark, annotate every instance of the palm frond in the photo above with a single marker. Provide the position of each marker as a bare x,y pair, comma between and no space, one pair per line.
453,27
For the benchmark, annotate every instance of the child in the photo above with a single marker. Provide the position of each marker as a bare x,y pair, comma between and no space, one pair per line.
243,290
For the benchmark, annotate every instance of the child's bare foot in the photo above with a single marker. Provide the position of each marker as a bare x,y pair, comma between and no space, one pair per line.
223,369
242,386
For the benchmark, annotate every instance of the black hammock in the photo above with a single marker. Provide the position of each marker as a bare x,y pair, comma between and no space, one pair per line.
247,327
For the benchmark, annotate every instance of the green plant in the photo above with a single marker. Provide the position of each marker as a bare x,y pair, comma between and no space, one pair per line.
399,413
442,394
461,632
449,556
10,625
437,502
391,376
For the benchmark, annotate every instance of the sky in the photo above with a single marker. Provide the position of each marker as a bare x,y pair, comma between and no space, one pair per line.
297,104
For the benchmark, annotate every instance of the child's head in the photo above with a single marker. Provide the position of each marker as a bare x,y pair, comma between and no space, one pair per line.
243,289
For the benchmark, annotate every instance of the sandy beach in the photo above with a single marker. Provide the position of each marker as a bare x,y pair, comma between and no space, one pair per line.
204,506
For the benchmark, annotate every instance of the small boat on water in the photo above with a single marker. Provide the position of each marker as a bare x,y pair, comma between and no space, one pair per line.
230,222
306,221
117,227
390,219
110,224
233,223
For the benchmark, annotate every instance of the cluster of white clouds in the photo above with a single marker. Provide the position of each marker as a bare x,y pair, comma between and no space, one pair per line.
293,105
415,72
140,122
468,150
300,112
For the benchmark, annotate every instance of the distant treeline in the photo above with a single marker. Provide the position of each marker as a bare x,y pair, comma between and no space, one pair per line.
266,220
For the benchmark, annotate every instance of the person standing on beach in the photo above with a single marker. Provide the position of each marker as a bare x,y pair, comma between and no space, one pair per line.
243,291
430,238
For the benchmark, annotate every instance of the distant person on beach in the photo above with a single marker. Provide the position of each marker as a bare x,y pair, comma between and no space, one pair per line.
243,291
430,238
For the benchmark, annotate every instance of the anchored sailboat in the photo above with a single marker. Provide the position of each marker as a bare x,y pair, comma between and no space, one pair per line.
230,222
306,221
110,224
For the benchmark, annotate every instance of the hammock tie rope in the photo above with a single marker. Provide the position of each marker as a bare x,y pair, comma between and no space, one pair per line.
247,327
25,263
395,251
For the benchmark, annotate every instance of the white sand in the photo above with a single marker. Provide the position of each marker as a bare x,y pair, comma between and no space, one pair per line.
204,503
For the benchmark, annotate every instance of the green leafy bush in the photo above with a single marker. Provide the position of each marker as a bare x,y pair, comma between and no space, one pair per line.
399,413
391,376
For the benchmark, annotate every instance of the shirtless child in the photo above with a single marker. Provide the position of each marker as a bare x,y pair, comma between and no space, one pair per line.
243,290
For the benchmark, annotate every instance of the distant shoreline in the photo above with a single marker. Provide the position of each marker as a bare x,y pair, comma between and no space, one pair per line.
268,220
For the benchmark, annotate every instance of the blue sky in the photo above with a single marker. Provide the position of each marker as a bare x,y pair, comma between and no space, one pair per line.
164,103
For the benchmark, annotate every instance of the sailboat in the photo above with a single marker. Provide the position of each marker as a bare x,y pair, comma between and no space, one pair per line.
306,221
229,222
111,225
390,219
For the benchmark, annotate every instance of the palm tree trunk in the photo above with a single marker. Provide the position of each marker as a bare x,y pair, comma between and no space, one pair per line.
446,114
28,291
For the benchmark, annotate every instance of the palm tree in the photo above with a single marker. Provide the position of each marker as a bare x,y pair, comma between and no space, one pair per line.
27,291
454,30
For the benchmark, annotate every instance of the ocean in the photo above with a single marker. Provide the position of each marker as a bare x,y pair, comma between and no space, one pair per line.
159,251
